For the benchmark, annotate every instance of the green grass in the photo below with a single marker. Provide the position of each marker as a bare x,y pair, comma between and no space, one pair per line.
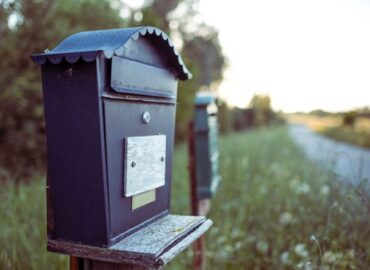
23,228
360,137
271,202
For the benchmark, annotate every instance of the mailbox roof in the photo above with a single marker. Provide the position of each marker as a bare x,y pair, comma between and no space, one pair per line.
204,98
87,45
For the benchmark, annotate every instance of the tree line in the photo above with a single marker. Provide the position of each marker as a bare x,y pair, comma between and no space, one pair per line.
258,113
31,26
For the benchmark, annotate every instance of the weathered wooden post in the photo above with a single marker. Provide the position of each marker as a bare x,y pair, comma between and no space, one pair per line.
203,162
110,102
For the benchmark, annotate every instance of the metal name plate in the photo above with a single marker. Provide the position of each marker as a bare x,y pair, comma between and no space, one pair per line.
145,164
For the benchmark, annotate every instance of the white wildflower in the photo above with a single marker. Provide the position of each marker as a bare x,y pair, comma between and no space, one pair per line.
300,250
305,265
284,257
286,218
313,238
303,188
324,190
262,246
299,187
332,257
238,245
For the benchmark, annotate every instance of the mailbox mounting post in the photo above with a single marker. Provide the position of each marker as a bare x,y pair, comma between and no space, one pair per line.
203,163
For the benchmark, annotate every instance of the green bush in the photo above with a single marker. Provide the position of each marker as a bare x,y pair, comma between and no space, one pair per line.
349,118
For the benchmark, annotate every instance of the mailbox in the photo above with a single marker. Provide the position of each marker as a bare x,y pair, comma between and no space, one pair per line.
110,102
206,145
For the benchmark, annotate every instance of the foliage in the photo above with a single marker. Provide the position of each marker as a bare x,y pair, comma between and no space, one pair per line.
273,210
261,105
224,117
242,118
258,114
349,135
321,113
349,118
23,228
332,126
276,210
42,24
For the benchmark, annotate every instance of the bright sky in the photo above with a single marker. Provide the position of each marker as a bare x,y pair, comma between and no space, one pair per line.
306,54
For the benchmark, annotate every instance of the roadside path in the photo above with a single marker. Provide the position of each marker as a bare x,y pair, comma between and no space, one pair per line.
349,162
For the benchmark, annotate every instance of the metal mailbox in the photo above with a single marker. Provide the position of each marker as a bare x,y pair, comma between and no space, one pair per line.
110,102
206,145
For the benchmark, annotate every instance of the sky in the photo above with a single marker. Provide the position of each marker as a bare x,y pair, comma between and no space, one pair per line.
312,54
305,54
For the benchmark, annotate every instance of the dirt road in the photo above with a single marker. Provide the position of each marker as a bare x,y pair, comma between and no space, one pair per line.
350,163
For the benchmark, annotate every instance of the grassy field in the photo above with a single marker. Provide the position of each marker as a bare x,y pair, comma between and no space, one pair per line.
274,210
332,127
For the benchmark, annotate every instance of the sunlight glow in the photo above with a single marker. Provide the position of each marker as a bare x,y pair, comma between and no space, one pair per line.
305,54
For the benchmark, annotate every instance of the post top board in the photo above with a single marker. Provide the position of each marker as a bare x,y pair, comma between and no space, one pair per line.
154,245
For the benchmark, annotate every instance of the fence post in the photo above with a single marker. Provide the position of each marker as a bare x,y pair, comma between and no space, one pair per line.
199,245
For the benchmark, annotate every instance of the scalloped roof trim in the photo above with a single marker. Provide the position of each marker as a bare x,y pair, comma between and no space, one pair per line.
88,45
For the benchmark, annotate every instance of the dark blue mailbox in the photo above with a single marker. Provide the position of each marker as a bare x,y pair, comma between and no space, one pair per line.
206,145
110,102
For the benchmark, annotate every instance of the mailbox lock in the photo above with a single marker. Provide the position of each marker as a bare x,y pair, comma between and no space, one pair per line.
145,117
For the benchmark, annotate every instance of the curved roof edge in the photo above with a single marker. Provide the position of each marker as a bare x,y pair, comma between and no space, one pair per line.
87,46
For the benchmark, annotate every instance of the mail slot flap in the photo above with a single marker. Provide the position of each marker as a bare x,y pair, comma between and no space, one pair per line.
132,77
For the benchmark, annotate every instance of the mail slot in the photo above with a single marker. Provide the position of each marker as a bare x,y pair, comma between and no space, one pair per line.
110,101
206,145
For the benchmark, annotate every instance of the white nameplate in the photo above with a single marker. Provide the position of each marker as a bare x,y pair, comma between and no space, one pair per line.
145,164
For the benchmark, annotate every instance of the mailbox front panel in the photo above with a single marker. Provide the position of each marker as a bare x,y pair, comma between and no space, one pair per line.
124,125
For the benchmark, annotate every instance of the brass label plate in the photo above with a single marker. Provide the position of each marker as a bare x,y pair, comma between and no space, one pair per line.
142,199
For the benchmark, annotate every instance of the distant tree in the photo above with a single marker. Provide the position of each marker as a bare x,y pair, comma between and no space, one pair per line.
349,118
320,113
242,118
37,25
261,105
224,117
30,26
364,112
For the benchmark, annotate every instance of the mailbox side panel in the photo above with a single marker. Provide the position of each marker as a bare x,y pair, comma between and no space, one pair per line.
76,201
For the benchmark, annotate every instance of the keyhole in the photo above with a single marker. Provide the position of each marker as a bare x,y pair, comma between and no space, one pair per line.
146,117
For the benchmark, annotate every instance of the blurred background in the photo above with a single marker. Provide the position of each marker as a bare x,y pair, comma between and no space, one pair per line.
274,65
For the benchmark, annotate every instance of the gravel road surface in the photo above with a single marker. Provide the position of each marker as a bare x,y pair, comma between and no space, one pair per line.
349,162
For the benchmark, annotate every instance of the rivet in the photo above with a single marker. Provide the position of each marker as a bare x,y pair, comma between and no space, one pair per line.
133,164
162,158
